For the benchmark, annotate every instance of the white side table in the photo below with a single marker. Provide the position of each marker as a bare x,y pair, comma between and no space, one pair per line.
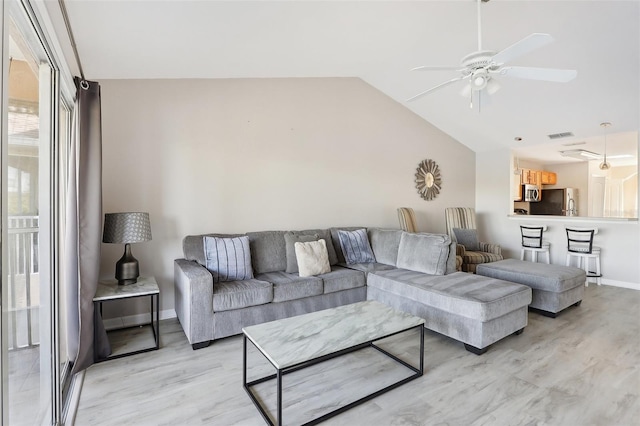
110,291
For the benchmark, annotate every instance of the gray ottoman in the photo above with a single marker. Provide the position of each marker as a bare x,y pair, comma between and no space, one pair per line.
554,287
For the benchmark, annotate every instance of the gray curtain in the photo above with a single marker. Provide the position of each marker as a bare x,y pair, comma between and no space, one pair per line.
84,228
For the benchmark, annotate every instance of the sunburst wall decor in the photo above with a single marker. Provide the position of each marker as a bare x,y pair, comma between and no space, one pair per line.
428,179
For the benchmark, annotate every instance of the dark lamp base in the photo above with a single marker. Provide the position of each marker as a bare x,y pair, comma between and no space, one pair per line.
127,269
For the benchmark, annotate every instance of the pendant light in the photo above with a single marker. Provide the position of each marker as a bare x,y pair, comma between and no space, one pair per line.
605,165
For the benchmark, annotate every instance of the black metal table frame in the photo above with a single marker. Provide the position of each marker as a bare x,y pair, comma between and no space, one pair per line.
281,372
154,327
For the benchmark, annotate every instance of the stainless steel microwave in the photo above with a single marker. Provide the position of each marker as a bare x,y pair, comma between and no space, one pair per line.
531,193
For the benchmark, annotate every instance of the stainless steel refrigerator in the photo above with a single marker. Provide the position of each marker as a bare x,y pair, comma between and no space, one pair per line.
556,202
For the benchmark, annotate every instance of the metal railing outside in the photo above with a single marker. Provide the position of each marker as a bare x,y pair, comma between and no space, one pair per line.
23,276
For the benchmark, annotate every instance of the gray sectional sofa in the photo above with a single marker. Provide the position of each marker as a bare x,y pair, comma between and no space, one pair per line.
412,272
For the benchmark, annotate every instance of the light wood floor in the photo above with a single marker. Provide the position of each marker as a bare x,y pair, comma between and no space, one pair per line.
581,368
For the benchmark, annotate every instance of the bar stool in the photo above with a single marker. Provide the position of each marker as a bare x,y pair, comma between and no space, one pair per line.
580,246
532,242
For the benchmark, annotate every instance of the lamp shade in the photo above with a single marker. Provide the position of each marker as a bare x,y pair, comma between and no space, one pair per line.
126,228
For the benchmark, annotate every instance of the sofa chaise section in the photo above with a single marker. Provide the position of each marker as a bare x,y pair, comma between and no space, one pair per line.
477,311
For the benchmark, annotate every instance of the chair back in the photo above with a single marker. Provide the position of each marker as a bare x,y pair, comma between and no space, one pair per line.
459,217
580,240
407,219
531,236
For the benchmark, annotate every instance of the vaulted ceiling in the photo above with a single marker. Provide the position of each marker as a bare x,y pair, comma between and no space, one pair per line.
379,41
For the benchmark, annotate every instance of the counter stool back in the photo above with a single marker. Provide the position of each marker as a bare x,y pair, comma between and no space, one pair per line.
532,243
580,246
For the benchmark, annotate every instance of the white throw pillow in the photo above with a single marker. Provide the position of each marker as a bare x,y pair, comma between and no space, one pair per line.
313,258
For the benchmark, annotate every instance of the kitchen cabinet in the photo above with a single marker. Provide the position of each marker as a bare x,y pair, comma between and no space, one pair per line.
531,177
517,188
538,177
548,178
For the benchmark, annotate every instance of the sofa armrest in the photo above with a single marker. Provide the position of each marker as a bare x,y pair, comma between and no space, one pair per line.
194,300
460,250
491,248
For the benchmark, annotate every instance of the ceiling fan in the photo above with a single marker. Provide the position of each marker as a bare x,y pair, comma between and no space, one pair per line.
480,67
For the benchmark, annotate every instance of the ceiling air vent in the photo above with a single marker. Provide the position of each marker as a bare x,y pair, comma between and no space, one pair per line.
560,135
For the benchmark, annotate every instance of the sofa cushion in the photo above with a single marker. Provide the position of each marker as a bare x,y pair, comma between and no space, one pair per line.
342,279
426,253
467,237
325,234
312,258
355,246
368,267
385,244
232,295
472,296
193,246
538,276
228,259
289,240
291,286
268,252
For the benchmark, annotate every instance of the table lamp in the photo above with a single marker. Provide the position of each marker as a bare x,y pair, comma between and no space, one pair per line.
126,228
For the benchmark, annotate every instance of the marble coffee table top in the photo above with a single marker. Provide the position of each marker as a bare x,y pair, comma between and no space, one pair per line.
302,338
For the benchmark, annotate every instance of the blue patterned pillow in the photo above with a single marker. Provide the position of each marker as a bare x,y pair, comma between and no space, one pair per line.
228,259
355,246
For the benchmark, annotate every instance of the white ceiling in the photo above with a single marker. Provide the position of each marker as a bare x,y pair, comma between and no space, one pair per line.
379,42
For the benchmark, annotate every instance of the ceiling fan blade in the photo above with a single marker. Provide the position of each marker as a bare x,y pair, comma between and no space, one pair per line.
446,83
544,74
522,47
429,68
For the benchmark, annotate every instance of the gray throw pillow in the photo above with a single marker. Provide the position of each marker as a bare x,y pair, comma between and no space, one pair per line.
426,253
468,238
228,259
355,246
290,239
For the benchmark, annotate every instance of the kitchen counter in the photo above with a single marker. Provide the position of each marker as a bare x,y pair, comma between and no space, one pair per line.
533,218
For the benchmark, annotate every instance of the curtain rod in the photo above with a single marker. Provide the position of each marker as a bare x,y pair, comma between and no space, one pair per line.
67,24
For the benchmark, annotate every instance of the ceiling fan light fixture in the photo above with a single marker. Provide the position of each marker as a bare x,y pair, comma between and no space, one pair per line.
492,86
479,79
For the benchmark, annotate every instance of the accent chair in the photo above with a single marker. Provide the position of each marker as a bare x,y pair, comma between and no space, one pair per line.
407,219
461,227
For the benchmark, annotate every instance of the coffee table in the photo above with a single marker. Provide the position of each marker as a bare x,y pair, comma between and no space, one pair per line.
295,343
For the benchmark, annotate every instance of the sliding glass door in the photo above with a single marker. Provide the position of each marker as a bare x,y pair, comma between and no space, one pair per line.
28,289
35,362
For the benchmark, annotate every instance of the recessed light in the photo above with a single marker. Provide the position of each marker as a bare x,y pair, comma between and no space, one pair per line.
517,138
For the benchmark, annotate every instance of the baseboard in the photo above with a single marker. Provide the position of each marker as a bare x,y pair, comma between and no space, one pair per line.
132,320
623,284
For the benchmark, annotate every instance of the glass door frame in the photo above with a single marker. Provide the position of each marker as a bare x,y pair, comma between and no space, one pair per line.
28,19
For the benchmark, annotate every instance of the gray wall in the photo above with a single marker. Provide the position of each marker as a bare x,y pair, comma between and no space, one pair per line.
256,154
